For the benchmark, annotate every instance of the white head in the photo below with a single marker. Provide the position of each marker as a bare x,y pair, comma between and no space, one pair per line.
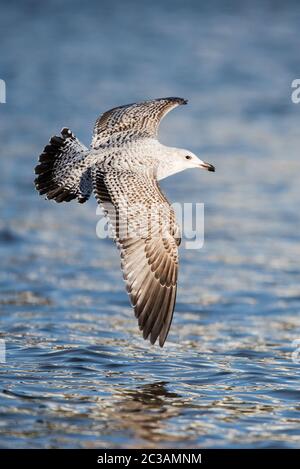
178,159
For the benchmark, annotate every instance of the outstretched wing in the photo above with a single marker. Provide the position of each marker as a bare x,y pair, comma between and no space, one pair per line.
132,121
147,236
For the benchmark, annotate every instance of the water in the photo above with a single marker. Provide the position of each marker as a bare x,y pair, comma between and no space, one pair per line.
77,373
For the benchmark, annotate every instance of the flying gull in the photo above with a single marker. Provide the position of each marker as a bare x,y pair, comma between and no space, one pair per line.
122,168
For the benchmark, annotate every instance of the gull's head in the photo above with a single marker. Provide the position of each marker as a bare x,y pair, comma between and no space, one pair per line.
175,160
186,159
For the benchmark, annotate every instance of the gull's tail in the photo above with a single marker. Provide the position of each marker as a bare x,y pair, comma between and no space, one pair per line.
64,170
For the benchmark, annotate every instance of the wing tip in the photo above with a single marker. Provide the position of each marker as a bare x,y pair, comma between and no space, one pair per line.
161,327
178,100
161,339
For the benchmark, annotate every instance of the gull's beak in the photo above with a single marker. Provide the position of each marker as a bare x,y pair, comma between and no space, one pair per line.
207,166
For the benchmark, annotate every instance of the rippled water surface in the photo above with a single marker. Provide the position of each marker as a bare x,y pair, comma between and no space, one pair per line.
77,372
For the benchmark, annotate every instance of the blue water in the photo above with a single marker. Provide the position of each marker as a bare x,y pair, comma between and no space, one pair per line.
77,372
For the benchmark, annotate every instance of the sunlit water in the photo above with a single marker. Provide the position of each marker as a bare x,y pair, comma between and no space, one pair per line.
77,372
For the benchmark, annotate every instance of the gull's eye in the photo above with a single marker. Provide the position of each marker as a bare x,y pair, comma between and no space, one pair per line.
188,157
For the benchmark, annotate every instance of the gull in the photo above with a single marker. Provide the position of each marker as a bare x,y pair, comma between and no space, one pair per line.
122,168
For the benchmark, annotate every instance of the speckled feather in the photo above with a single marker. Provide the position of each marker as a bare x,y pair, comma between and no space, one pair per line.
148,245
132,122
63,169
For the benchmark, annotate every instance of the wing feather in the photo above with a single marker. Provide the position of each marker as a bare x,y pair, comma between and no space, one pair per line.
149,262
63,169
132,121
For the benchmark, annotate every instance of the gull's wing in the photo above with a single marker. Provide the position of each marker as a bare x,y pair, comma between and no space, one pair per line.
138,120
147,236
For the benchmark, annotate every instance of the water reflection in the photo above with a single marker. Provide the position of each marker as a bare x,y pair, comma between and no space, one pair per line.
145,412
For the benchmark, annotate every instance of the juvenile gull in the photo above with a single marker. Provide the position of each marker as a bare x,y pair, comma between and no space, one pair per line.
122,168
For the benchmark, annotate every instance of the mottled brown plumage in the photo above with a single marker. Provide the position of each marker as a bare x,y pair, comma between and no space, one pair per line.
133,121
147,244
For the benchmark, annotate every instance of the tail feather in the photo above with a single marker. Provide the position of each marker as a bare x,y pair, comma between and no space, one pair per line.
63,172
